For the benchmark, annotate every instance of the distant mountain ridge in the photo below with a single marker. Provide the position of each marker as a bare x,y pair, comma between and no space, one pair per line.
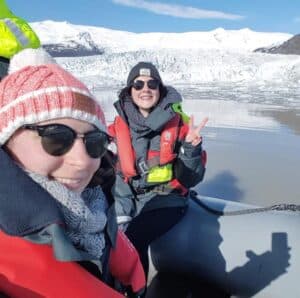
82,45
64,39
183,58
289,47
72,50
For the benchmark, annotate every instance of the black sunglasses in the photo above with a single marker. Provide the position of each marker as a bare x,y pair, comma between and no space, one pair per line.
139,84
58,139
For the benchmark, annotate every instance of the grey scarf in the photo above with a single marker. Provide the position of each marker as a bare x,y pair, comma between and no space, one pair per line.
141,128
137,121
84,214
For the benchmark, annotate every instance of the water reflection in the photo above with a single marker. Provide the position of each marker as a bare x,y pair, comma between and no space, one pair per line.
228,105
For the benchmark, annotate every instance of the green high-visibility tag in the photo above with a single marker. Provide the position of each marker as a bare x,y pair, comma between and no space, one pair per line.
160,174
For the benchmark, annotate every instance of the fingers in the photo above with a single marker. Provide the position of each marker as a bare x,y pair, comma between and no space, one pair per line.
197,140
191,122
201,125
193,135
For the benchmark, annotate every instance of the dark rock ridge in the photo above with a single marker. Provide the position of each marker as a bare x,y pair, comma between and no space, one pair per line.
83,45
289,47
71,50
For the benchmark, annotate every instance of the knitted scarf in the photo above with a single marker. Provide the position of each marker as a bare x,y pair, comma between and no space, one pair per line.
143,137
84,214
136,120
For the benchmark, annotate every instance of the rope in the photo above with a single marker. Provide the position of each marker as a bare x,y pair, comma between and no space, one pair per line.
277,207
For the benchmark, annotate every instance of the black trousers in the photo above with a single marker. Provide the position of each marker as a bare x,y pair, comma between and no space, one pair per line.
150,225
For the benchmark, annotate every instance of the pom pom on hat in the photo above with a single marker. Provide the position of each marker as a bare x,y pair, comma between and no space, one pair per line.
29,57
43,91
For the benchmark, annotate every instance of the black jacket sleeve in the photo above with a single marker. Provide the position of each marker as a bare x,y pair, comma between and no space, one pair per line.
189,167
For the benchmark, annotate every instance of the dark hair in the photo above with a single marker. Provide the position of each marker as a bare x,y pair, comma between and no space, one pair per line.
105,176
4,63
126,92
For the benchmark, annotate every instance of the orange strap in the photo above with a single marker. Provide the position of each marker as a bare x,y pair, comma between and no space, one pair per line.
168,140
204,158
120,131
175,184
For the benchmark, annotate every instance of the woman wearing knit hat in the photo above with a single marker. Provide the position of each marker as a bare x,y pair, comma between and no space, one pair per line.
160,157
58,235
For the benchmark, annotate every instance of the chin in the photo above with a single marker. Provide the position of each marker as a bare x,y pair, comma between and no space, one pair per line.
78,189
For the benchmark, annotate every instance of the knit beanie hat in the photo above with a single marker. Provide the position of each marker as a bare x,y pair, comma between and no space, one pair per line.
143,69
43,91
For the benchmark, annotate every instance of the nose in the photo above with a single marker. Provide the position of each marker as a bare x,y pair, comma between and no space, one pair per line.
78,155
145,87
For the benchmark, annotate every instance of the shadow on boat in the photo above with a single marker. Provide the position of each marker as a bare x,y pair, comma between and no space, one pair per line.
224,185
190,262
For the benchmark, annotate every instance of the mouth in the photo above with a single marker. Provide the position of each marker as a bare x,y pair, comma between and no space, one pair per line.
146,97
70,183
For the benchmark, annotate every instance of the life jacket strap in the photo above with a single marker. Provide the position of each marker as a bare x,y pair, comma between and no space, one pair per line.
144,166
173,186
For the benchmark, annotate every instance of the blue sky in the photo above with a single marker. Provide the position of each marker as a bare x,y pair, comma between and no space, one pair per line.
167,15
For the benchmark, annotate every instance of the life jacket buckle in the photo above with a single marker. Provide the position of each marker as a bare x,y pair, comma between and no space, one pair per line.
143,168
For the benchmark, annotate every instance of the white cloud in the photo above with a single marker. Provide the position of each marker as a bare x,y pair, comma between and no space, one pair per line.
179,11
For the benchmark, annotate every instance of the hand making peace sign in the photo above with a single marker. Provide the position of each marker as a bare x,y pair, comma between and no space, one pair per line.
193,136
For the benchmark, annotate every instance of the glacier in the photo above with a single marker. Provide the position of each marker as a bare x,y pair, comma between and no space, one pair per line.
183,58
218,67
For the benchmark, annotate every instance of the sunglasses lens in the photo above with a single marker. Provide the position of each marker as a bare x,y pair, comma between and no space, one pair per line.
153,84
96,143
138,85
57,140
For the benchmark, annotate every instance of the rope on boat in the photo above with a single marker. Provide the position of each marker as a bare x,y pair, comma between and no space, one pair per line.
276,207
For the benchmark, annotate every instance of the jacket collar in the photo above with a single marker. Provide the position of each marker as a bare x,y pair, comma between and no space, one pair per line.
25,207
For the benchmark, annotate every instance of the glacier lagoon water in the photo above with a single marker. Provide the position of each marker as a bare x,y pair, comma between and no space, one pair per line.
283,95
230,105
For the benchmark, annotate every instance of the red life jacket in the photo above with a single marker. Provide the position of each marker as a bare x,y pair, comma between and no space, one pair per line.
174,130
125,265
29,270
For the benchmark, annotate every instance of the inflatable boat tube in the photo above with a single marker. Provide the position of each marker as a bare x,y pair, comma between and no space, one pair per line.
244,250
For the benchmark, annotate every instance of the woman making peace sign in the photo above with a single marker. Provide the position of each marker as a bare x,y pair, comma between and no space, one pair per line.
160,157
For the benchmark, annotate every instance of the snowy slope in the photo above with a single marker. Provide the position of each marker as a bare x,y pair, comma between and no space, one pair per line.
182,58
194,67
289,47
121,41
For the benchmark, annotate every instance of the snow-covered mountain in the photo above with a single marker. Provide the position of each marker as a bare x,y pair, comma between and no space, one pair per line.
120,41
81,45
182,58
289,47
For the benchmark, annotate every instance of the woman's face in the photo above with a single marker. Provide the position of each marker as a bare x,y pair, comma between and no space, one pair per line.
74,169
146,98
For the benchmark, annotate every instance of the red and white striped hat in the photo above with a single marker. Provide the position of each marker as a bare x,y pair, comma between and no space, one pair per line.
41,92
